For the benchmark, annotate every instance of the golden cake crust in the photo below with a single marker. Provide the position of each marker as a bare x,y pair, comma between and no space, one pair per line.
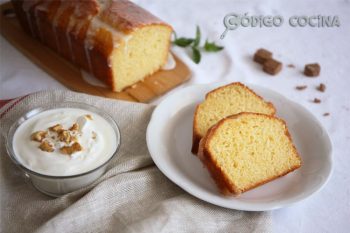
221,179
126,16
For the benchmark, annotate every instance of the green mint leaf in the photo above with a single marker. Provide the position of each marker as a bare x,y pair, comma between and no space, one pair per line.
183,42
197,40
196,55
212,47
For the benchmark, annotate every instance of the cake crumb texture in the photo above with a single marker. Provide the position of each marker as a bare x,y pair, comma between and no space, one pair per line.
225,101
246,150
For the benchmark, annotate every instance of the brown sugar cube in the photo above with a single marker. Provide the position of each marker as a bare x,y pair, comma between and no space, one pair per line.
272,66
262,55
312,70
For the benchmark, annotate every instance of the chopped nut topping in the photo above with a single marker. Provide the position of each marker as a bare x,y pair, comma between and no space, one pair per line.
77,147
317,101
66,140
326,114
94,135
68,150
74,139
38,136
64,136
46,146
321,87
89,117
74,127
56,128
300,88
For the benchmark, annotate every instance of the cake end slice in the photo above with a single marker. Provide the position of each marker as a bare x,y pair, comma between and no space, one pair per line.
247,150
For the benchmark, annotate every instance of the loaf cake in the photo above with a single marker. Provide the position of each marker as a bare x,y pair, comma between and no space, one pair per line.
225,101
246,150
115,40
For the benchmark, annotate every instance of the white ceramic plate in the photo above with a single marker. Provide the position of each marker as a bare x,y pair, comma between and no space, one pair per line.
169,139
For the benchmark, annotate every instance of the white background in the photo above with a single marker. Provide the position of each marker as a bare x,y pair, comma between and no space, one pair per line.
326,211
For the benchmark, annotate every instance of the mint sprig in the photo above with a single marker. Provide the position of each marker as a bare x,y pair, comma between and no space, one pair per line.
183,42
197,40
194,43
196,55
212,47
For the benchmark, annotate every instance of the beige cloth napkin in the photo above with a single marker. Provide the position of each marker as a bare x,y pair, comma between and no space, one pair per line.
132,196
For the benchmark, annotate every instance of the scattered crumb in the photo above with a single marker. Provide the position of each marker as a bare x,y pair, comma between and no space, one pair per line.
300,88
291,66
321,87
317,101
89,117
326,114
94,135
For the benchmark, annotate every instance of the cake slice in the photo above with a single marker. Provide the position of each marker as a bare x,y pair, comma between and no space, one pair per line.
246,150
225,101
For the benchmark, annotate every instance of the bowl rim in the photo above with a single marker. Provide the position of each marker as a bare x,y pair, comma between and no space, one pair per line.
57,105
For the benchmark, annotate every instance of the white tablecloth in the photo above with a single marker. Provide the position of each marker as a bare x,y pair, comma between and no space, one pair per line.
326,211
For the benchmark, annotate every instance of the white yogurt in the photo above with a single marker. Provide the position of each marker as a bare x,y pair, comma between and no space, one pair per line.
97,138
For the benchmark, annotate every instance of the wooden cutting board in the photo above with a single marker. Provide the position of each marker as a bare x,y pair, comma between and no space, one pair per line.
71,75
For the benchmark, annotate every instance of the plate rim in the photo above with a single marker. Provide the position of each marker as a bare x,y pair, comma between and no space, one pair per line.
239,206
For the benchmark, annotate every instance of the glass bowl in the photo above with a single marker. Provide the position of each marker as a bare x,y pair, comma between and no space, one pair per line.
60,185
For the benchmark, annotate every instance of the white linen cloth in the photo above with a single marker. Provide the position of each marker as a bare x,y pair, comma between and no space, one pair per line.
326,211
132,196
